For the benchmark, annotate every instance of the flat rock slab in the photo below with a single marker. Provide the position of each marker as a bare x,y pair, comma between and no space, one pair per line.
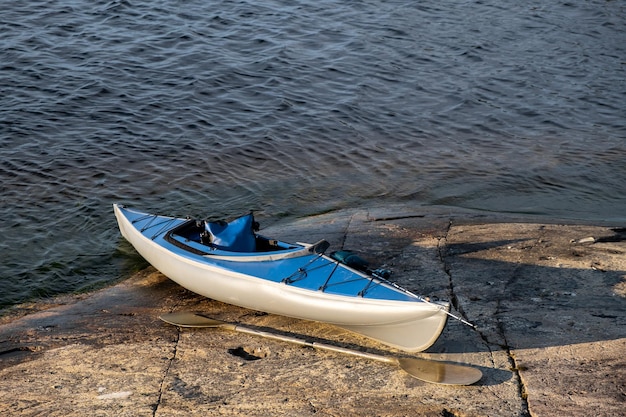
548,301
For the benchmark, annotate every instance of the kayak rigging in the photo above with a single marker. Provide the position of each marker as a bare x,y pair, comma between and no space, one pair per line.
165,222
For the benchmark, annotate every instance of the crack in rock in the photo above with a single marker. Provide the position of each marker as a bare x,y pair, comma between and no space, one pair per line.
165,374
441,245
522,391
515,368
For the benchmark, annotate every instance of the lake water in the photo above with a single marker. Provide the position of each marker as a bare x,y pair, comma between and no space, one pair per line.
213,108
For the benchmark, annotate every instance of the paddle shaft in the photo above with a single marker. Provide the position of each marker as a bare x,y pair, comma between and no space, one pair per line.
302,342
425,369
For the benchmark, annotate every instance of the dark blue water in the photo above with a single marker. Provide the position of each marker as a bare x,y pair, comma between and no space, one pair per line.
295,107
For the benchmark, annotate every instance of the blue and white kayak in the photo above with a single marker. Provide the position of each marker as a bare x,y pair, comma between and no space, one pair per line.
230,262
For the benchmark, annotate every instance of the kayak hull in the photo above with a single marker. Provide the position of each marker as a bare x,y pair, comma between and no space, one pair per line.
288,282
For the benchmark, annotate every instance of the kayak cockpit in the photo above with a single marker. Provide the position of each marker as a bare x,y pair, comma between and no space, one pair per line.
236,239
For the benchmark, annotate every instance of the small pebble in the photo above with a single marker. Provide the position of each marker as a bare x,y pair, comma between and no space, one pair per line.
115,395
589,239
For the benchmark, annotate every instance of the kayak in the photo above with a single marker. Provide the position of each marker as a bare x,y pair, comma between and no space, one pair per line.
232,263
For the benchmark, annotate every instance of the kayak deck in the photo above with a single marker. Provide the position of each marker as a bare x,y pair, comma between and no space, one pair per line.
308,271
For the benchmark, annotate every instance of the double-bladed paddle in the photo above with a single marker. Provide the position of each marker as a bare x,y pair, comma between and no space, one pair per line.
424,369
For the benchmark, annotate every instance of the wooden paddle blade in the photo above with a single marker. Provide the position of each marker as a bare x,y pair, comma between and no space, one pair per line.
188,319
440,372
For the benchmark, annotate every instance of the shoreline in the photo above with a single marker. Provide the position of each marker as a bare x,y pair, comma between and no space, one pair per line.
548,302
395,212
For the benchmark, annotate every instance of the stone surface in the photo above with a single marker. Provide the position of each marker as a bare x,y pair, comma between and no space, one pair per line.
548,300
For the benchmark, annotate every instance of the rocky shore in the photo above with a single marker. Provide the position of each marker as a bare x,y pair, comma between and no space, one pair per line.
548,302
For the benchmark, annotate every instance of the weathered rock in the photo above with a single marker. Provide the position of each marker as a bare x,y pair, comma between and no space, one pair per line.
549,304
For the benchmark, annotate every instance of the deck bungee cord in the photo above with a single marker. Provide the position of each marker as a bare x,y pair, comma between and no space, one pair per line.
166,224
376,277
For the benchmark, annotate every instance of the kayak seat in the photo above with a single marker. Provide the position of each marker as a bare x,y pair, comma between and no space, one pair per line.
237,235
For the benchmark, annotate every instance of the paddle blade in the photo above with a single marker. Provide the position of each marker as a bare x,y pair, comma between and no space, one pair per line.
440,372
188,319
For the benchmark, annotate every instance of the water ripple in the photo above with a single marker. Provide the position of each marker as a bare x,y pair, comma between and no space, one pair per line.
292,108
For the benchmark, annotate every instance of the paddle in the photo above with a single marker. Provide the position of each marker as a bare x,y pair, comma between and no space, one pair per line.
424,369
